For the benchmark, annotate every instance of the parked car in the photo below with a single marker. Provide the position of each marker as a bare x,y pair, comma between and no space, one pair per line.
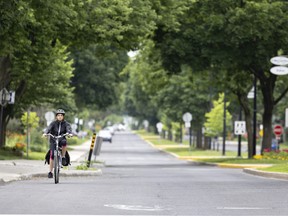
106,135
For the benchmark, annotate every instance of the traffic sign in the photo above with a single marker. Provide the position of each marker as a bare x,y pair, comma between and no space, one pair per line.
187,124
159,126
239,127
279,70
187,117
278,130
49,116
279,60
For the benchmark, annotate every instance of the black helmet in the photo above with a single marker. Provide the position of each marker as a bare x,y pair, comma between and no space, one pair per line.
60,111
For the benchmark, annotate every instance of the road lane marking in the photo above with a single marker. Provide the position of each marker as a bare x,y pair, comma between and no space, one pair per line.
137,207
242,208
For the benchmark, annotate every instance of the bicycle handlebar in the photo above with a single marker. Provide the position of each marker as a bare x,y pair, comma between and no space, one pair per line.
57,137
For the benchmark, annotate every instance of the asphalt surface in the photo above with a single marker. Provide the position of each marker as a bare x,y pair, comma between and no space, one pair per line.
13,170
141,180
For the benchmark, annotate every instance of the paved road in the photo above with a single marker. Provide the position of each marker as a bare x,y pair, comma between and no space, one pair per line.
139,180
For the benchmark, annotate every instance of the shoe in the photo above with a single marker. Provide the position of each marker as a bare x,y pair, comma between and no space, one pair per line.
50,175
63,161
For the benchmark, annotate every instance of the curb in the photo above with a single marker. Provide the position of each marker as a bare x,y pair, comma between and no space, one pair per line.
70,173
274,175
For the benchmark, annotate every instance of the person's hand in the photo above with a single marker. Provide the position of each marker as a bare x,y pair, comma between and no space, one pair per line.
70,135
44,135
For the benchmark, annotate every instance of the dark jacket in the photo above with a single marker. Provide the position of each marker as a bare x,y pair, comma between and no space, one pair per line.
59,127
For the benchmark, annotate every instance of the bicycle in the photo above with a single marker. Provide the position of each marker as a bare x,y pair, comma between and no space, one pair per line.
57,162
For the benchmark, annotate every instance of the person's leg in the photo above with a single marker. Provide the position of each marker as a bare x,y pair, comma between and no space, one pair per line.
51,161
50,174
63,145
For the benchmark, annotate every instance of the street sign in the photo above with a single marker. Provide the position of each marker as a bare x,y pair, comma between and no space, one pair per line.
279,60
187,117
187,124
279,70
278,130
239,127
49,116
261,133
159,126
4,97
11,97
251,93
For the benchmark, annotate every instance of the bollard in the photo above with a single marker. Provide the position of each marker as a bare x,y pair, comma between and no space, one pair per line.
91,149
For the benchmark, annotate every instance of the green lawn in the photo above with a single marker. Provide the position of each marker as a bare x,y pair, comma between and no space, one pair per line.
183,150
282,168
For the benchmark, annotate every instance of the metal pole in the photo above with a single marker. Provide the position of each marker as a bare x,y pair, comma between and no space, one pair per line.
1,132
28,140
239,136
224,125
254,117
190,136
1,118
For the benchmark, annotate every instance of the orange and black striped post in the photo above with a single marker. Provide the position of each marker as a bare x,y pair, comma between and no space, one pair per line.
91,149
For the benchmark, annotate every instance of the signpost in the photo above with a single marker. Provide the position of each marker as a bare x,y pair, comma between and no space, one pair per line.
6,97
279,70
49,116
279,60
159,126
239,127
278,130
187,118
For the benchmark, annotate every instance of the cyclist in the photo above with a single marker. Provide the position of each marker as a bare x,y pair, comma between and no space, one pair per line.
56,128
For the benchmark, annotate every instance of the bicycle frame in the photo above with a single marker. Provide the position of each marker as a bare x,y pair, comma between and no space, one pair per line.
57,162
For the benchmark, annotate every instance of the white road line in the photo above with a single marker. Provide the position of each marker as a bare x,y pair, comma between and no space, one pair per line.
242,208
137,207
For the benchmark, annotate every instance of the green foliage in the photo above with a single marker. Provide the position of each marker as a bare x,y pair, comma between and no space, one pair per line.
214,123
96,75
31,120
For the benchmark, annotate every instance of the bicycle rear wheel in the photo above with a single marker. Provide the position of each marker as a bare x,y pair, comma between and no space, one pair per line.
56,167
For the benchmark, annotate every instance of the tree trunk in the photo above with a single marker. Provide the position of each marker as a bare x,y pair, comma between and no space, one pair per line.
199,139
248,119
5,79
207,143
267,129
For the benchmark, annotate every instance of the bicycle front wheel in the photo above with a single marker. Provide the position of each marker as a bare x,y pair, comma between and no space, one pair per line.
56,167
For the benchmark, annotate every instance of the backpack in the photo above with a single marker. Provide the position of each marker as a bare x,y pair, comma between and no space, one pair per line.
67,156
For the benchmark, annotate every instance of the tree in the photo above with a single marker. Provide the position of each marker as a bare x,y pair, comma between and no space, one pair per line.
231,36
31,31
96,76
214,122
30,120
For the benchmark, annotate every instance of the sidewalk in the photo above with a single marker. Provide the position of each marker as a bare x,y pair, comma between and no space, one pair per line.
13,170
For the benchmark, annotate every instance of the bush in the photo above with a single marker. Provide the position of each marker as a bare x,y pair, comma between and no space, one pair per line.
269,154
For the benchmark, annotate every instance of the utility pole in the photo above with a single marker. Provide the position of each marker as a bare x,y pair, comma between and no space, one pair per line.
224,126
255,116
